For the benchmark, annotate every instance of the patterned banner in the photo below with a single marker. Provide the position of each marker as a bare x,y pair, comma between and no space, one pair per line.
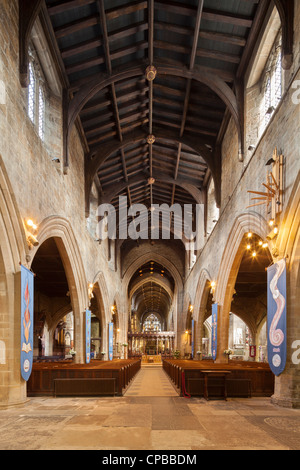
193,339
111,342
214,331
27,319
277,346
88,321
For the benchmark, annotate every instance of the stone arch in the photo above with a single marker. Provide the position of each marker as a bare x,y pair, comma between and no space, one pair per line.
13,251
229,269
59,315
178,290
60,228
155,280
158,259
233,253
101,295
200,303
101,292
61,231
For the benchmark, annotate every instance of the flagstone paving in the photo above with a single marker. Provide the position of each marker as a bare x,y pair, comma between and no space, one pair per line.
142,422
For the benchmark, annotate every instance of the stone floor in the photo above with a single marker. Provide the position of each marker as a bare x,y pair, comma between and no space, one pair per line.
151,381
139,421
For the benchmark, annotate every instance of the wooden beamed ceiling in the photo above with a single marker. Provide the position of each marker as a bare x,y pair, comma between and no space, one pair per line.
200,49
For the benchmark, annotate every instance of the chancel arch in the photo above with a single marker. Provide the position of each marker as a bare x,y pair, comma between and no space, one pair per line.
151,296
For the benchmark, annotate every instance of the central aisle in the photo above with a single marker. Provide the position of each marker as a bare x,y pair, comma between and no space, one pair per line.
151,381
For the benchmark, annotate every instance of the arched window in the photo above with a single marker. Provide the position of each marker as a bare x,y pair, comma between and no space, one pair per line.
278,80
268,101
152,324
36,98
41,113
31,93
273,81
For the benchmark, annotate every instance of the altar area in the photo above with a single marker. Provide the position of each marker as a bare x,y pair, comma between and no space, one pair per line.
151,359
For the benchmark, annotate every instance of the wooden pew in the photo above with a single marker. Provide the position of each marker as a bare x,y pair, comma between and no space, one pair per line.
99,377
246,379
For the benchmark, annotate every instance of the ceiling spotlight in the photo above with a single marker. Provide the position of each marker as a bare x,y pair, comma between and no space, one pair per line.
254,254
249,235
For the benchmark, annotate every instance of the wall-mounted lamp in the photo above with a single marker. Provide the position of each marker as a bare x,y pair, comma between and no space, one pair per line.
90,291
271,223
212,287
31,229
31,224
274,232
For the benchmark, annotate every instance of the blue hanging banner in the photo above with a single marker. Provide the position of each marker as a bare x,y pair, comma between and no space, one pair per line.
277,345
111,341
27,322
214,331
88,321
193,339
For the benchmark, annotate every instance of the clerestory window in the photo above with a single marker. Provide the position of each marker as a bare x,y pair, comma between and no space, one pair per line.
273,81
36,100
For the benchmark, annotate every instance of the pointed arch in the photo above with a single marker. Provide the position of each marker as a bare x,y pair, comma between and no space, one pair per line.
233,253
60,229
229,268
13,251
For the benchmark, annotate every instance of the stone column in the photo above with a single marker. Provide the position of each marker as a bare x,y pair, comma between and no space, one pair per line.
287,385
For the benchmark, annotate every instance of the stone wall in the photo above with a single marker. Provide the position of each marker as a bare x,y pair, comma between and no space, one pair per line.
42,192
